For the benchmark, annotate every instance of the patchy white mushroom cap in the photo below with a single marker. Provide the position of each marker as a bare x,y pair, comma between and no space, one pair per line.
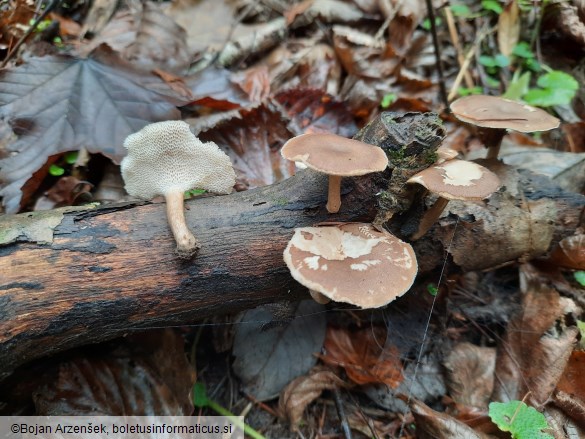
335,155
495,112
166,157
352,263
458,180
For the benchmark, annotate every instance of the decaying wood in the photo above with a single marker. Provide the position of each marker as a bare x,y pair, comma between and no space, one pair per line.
84,276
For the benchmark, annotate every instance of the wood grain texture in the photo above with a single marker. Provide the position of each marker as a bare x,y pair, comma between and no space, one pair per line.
112,270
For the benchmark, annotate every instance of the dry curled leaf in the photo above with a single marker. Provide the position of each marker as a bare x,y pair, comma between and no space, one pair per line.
144,375
305,389
214,88
60,103
570,252
314,111
534,351
470,374
509,28
253,140
68,191
363,356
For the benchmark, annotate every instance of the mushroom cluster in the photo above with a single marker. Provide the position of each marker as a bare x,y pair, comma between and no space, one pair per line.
166,159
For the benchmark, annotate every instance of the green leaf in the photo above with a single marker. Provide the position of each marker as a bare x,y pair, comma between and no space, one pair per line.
492,5
533,65
502,60
56,171
522,421
464,91
426,24
557,79
488,61
492,82
200,395
580,277
432,289
71,157
518,87
388,100
522,49
462,11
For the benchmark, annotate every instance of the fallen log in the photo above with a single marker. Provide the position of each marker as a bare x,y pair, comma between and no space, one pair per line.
74,277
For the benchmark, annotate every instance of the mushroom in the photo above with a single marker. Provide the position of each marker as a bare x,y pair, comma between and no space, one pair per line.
445,153
494,115
337,157
165,158
352,263
453,180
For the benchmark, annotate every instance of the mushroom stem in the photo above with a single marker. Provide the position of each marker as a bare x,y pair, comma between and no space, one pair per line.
430,217
187,245
334,194
319,298
492,139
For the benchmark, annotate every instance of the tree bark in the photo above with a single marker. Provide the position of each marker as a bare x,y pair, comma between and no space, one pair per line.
69,278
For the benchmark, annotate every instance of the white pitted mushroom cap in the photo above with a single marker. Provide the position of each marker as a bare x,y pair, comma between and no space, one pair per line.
166,157
352,263
496,112
335,155
458,180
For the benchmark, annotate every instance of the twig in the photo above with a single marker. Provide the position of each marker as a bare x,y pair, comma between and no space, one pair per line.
442,88
30,30
455,40
466,62
341,413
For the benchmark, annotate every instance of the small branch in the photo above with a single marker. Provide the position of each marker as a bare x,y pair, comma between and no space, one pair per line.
442,88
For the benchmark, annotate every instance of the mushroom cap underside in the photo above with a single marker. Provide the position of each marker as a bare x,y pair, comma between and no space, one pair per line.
352,263
166,157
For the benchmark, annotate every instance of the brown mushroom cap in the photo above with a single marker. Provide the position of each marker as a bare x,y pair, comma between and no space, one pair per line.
495,112
458,180
335,155
352,263
445,153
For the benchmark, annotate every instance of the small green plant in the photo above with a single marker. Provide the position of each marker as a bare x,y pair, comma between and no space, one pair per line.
59,168
522,421
192,193
56,170
388,100
580,277
201,400
432,289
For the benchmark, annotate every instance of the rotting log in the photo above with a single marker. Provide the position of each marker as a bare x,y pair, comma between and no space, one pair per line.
85,276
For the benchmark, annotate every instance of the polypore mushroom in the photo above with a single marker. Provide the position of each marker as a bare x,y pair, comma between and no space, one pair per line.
494,115
337,157
165,158
453,180
352,263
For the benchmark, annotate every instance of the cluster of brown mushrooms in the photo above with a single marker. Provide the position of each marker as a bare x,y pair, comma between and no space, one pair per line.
354,262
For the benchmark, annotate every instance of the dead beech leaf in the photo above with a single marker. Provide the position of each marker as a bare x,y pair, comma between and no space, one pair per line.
305,389
572,381
60,103
253,140
14,21
214,88
534,351
328,11
145,375
509,28
314,111
67,27
470,374
66,192
255,82
363,356
431,424
570,252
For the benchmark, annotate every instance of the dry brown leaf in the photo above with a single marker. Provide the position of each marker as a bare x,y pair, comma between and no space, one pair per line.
573,379
68,191
570,252
253,141
575,136
431,424
67,27
213,87
328,11
404,16
303,390
534,352
254,81
509,28
314,111
59,103
145,375
561,425
363,355
470,374
14,22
